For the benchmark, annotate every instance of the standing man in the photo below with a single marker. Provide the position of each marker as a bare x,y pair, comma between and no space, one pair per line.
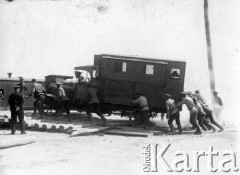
172,113
192,109
144,108
23,88
63,101
16,101
93,103
39,94
217,107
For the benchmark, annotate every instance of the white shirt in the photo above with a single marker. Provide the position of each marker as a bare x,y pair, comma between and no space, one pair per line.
142,102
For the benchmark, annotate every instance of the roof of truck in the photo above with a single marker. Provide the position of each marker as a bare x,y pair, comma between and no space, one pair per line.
60,76
139,58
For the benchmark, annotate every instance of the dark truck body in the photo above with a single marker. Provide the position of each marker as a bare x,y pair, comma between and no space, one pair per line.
118,78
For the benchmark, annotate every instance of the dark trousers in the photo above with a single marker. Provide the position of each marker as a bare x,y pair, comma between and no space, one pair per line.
63,104
207,123
94,108
201,119
38,103
20,115
175,117
144,117
210,117
193,121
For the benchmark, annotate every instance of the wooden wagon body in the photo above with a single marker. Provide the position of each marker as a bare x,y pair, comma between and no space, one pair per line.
118,78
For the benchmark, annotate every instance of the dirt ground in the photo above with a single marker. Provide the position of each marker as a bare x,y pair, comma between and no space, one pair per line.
57,153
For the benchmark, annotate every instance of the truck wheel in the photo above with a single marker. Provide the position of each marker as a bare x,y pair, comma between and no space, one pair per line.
48,108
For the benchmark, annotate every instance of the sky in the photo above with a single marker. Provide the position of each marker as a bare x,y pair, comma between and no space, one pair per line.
44,37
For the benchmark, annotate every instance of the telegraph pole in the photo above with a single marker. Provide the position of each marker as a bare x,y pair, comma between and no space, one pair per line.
209,49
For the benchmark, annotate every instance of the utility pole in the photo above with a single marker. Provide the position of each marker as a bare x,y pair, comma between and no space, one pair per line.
209,49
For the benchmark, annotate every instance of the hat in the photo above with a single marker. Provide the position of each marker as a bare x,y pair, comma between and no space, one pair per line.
21,78
189,93
197,92
33,80
183,94
58,83
215,92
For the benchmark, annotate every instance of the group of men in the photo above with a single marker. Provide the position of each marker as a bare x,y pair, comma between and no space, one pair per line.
16,101
201,115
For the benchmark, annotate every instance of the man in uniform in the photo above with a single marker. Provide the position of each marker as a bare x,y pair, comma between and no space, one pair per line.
192,109
144,108
93,103
172,113
23,87
16,101
199,97
63,101
39,94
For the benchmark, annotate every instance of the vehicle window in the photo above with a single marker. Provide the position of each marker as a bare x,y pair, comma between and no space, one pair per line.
121,67
124,67
149,69
175,73
94,73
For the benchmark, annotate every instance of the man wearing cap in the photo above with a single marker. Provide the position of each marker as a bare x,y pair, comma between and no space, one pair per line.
63,101
38,91
93,102
217,107
199,97
144,108
16,101
187,100
22,85
172,113
79,76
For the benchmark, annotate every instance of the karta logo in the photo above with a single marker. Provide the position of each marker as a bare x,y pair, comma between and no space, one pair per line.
153,155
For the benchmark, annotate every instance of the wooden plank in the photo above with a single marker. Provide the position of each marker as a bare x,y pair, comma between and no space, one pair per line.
11,142
78,127
127,133
131,129
89,130
154,132
118,124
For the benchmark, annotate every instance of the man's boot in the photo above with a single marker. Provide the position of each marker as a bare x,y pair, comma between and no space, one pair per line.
171,127
103,119
179,128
